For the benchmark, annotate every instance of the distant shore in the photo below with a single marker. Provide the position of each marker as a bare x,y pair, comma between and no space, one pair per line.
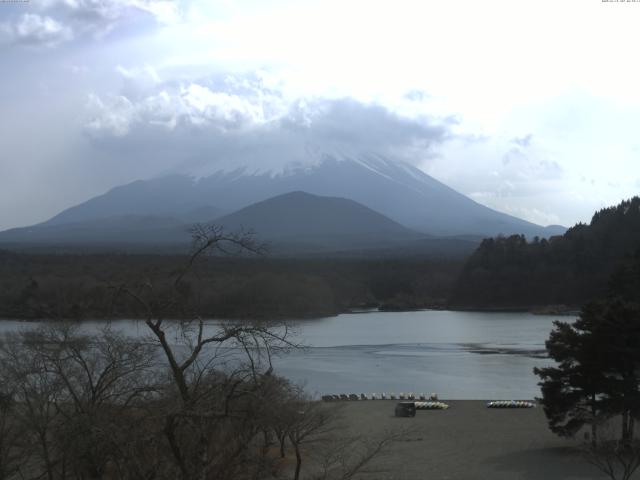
559,310
564,310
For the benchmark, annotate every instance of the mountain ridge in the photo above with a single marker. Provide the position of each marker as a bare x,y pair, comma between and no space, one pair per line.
330,221
395,189
294,223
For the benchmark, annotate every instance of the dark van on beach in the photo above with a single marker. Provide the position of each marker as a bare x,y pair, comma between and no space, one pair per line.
406,409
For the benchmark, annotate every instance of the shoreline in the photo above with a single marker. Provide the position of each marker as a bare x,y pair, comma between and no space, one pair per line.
443,400
534,310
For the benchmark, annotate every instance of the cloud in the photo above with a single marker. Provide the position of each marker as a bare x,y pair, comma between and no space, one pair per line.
242,120
104,14
210,105
526,181
532,214
521,165
523,141
221,110
53,22
416,95
33,29
373,126
116,116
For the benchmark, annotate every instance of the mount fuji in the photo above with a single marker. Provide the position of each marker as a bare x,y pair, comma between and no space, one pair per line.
397,191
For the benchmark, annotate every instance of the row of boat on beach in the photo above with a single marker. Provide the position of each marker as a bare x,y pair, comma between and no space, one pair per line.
422,401
375,396
511,404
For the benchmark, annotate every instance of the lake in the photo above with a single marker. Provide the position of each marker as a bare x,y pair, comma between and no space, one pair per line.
458,355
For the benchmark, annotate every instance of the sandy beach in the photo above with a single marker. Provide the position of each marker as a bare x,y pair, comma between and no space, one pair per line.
469,441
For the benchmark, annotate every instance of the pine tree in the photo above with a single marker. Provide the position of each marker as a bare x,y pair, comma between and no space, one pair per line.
598,369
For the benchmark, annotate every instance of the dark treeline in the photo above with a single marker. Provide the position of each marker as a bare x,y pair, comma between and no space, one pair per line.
585,263
503,273
35,286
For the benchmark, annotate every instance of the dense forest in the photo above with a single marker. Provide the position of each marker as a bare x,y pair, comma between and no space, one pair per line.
36,286
587,262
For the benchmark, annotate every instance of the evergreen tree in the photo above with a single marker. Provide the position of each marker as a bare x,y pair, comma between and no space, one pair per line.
617,327
598,369
571,391
565,270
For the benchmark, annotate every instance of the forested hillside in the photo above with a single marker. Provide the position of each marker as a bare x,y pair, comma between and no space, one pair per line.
84,286
584,263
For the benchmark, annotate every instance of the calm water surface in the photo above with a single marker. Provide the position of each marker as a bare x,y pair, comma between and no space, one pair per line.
459,355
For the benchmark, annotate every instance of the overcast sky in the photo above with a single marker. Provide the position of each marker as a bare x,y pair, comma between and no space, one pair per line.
529,107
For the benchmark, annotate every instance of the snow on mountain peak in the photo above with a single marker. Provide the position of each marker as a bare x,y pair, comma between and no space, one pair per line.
308,159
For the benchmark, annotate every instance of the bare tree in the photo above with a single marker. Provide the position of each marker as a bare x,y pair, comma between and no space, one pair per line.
616,458
71,393
11,451
350,456
217,371
310,421
333,452
102,378
35,393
